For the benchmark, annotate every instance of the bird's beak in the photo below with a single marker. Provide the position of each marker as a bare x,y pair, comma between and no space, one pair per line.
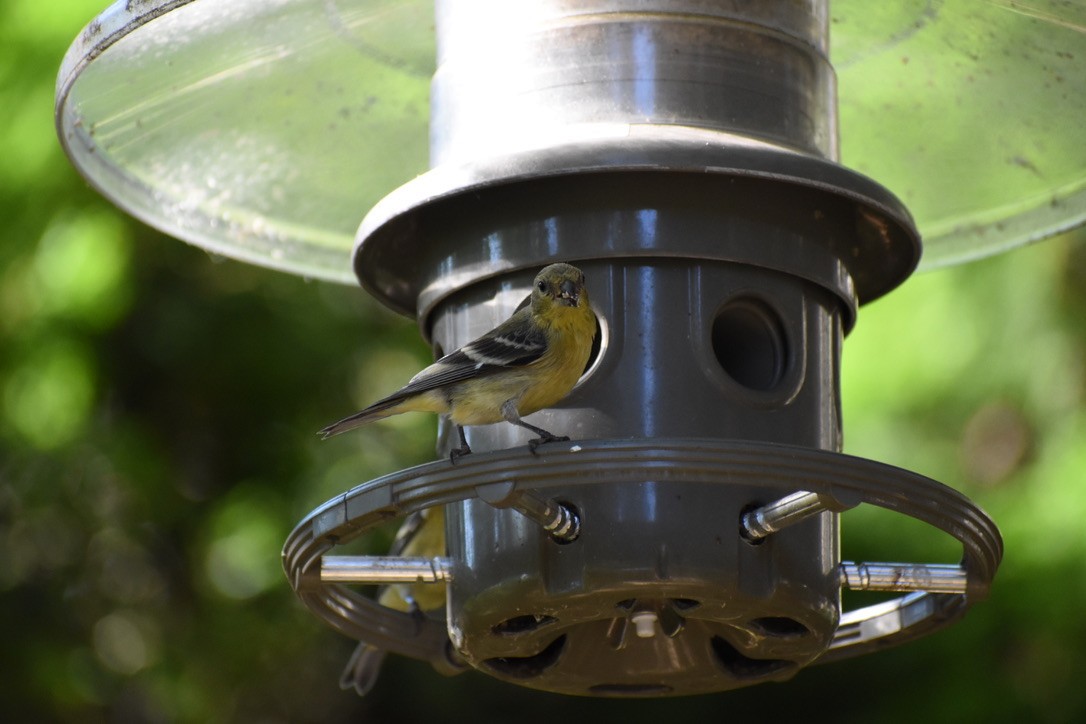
568,294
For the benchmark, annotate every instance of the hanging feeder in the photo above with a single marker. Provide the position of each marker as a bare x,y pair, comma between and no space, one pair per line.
685,156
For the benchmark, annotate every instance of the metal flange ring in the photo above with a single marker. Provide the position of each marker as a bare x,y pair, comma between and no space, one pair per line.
848,479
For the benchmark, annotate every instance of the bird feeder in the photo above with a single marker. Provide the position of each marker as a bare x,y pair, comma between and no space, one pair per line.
684,155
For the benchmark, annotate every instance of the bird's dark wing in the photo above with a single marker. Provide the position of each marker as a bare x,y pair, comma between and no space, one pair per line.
509,345
514,343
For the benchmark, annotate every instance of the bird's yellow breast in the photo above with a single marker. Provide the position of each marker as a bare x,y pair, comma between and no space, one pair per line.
569,346
542,384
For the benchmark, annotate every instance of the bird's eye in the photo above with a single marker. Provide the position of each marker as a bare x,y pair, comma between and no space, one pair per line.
542,286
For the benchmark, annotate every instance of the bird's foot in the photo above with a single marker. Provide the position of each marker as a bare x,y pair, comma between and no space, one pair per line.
543,440
457,453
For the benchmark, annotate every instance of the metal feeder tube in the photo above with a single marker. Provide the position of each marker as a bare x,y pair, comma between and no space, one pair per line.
683,155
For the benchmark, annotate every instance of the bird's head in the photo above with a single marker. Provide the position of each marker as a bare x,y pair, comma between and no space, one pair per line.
559,285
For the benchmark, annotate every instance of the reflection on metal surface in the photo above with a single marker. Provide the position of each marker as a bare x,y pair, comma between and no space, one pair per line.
384,569
765,520
904,577
558,519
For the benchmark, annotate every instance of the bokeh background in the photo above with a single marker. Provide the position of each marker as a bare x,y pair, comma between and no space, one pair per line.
157,417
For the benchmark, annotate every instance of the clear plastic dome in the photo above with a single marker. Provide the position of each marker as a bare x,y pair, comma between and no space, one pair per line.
264,130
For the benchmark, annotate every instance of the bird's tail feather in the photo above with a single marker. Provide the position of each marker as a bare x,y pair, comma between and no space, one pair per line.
377,411
362,669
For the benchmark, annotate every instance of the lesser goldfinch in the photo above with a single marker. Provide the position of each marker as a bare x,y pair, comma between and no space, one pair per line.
529,362
422,533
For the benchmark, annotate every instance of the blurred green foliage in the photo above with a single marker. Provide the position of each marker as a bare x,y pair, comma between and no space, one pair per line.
157,418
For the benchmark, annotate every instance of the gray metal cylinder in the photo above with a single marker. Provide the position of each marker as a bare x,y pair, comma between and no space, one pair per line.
516,75
689,348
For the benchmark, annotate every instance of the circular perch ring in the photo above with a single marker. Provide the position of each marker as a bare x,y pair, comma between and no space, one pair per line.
846,478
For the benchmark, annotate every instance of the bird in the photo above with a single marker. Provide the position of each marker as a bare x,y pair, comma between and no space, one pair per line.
421,534
527,363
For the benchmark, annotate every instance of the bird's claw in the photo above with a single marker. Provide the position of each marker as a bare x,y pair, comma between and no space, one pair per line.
457,453
536,442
